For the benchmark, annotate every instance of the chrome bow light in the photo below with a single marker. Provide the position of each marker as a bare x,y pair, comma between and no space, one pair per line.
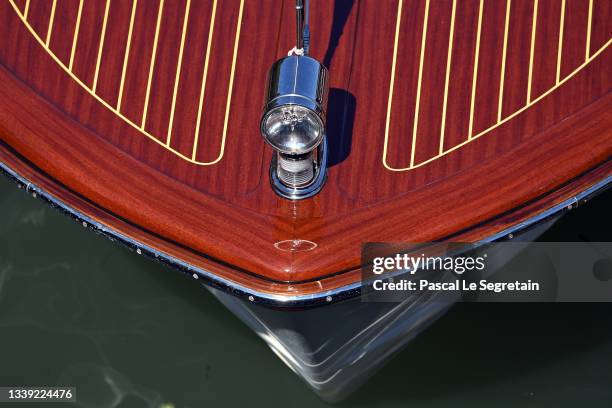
293,121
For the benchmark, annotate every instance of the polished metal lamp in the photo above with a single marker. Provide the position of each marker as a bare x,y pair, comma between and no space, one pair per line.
294,116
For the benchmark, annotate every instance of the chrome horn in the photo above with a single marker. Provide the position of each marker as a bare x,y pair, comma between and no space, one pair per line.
294,116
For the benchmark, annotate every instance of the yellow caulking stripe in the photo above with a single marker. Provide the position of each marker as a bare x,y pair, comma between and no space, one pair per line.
101,47
178,71
503,65
588,35
75,36
26,9
418,94
126,56
119,114
534,23
509,117
475,74
152,66
560,46
51,19
398,23
448,68
204,75
560,82
231,81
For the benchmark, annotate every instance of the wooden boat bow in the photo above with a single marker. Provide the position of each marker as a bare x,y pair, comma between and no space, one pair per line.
446,120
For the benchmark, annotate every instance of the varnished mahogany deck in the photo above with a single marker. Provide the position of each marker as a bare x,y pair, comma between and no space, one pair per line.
447,119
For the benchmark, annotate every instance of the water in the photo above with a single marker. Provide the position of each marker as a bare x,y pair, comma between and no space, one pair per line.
77,309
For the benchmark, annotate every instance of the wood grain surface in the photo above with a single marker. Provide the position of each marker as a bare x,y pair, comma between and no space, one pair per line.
447,120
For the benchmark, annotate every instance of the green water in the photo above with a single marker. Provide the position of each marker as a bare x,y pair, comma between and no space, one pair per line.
77,309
